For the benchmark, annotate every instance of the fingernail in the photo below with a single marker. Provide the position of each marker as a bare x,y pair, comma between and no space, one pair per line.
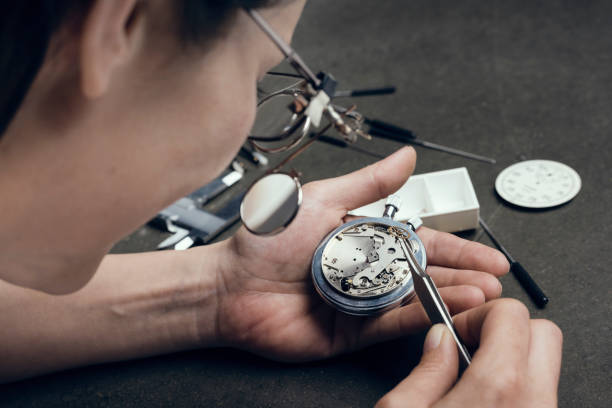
434,337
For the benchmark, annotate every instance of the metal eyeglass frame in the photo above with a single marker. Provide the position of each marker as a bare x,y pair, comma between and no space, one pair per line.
311,102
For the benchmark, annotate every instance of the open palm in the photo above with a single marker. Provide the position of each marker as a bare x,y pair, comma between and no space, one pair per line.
269,305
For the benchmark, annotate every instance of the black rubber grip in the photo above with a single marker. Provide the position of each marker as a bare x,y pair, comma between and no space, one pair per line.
531,287
332,141
392,136
374,91
389,128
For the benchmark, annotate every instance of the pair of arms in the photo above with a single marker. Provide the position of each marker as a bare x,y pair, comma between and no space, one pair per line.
255,293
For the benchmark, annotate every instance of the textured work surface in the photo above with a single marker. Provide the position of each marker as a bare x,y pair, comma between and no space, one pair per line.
512,80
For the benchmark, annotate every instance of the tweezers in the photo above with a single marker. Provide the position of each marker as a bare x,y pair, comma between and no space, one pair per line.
433,304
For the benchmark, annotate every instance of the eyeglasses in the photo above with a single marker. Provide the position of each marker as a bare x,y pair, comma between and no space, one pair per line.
286,115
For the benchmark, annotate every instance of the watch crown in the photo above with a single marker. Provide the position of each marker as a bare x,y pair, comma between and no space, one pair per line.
416,222
393,204
394,200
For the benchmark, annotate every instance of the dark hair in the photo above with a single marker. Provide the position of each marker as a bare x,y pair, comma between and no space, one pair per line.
27,26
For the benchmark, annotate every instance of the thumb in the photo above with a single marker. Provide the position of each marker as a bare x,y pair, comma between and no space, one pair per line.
432,378
369,184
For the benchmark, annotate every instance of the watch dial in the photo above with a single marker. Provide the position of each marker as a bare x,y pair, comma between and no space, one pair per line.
538,183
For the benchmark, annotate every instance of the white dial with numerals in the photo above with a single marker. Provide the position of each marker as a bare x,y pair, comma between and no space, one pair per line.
538,183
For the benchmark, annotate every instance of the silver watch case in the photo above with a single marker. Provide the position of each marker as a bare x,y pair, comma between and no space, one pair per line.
369,306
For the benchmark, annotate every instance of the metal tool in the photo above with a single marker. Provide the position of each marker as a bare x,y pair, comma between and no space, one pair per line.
392,132
292,57
365,92
254,156
213,189
341,143
531,287
192,226
383,90
433,304
189,223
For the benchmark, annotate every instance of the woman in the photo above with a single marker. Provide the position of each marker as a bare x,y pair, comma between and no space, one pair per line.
107,100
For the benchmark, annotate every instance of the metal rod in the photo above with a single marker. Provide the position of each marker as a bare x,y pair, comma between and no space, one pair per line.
389,127
341,143
454,151
284,74
485,227
433,304
520,273
294,59
429,145
365,92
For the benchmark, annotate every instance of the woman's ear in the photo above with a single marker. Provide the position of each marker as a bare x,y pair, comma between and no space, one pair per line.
108,40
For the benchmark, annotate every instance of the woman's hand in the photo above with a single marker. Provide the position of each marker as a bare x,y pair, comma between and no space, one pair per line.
267,303
517,363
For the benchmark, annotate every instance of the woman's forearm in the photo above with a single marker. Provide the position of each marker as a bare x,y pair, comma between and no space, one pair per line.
136,305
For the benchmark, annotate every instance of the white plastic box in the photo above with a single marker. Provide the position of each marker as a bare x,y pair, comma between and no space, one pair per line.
444,200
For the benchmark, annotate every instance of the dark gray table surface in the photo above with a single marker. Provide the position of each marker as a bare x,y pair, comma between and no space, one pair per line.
512,80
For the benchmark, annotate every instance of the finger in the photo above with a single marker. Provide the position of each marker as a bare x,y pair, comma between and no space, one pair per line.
501,328
349,218
533,380
412,318
368,184
544,365
446,249
499,367
443,277
459,298
470,323
432,378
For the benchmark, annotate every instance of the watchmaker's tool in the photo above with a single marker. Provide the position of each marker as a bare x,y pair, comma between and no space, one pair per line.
388,131
253,155
211,190
349,93
538,184
190,224
365,92
434,306
341,143
531,287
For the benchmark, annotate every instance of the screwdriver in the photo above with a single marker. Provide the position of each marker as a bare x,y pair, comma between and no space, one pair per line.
531,287
341,143
386,90
399,134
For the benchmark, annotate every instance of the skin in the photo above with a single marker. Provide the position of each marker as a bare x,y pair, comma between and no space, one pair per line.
287,320
121,61
526,374
108,101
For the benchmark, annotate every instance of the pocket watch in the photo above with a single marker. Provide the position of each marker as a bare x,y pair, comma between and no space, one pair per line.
361,268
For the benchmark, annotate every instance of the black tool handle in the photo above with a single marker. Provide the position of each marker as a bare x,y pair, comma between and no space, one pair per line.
332,141
374,91
390,129
394,136
531,287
